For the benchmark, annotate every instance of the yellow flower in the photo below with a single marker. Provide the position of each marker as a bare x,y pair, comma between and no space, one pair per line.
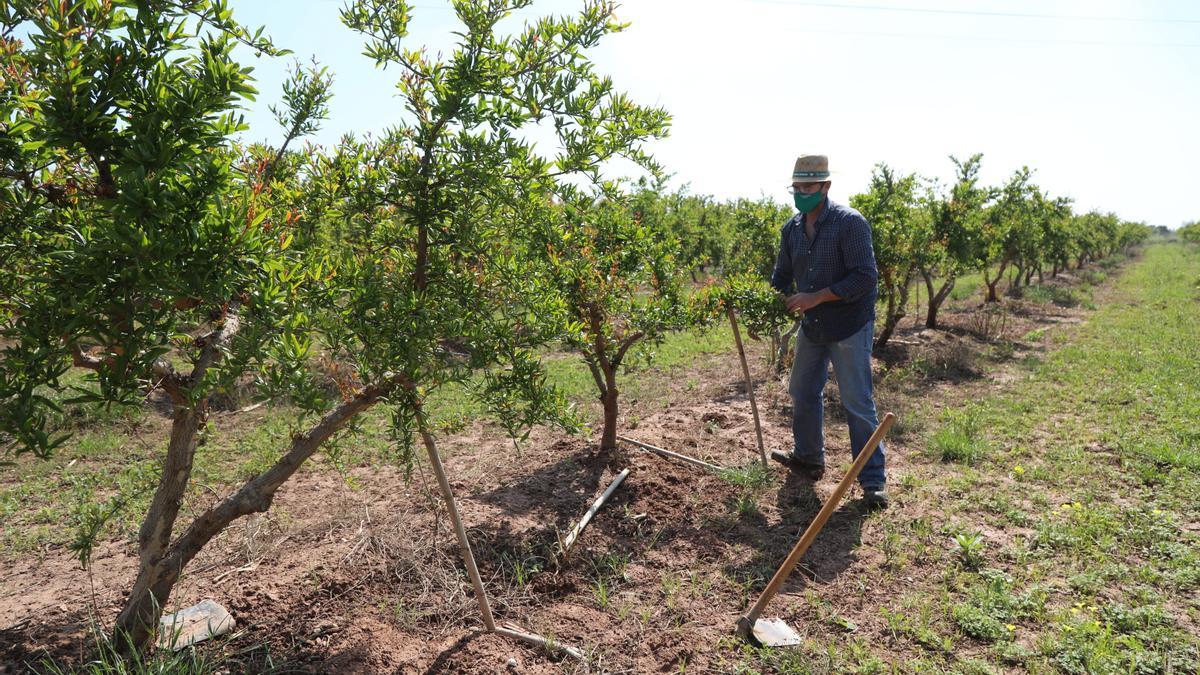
1010,627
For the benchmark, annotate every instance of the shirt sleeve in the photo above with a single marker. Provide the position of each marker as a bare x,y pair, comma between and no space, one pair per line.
858,256
782,278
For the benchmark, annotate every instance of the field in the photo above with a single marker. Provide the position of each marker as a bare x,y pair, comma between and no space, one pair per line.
1044,475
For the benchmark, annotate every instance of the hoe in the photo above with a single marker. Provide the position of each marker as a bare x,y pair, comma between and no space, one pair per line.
774,632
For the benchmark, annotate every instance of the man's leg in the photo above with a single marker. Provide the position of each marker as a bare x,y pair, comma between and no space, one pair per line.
807,388
852,367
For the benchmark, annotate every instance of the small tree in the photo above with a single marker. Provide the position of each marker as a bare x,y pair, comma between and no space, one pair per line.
621,282
1190,233
956,220
147,252
1008,226
901,234
1058,239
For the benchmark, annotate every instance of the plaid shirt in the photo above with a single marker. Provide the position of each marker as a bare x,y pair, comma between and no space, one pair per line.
840,257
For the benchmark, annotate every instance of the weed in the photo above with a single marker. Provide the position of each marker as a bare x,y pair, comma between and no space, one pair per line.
970,549
961,439
752,480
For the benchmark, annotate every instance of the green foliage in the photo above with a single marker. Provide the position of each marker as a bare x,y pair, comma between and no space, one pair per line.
730,238
901,234
970,549
759,306
993,607
1190,233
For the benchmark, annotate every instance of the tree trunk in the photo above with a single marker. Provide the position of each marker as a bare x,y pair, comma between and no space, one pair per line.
935,300
991,290
138,620
157,574
991,284
896,310
608,440
917,307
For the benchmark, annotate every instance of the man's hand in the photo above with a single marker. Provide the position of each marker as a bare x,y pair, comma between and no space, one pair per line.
802,302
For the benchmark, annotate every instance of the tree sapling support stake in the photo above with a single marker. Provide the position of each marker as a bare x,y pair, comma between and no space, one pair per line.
671,455
587,517
464,545
737,337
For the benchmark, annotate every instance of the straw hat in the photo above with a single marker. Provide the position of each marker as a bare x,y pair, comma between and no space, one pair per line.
811,169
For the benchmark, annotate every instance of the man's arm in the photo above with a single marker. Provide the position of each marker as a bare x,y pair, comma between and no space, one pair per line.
858,255
782,278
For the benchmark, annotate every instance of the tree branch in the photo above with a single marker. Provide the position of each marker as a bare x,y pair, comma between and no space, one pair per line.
625,345
257,494
215,343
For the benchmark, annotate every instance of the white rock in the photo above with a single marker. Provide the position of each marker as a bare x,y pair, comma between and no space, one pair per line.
194,624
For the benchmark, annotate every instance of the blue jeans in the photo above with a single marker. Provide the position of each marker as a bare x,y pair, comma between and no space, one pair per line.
851,359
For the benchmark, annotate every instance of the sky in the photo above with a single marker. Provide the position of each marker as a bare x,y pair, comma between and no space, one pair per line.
1099,97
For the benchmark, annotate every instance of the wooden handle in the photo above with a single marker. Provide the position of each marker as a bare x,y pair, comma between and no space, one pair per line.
823,515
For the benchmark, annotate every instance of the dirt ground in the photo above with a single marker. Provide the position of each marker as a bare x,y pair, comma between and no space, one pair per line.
366,577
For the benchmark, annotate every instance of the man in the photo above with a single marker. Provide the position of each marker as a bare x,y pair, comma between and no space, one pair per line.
826,270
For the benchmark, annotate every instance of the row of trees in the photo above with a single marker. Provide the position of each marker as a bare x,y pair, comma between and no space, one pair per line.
145,248
939,234
924,233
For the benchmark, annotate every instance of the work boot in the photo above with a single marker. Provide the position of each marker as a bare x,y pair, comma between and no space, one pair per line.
812,471
875,497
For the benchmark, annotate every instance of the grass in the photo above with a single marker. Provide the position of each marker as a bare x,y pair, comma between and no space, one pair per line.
961,438
1083,473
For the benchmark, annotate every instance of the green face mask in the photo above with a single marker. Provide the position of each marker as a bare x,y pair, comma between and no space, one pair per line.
806,203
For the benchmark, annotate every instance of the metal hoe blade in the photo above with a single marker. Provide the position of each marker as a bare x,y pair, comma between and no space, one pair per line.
775,633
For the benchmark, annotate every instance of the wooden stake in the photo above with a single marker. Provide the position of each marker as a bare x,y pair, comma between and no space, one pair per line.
532,638
737,337
670,455
587,517
464,544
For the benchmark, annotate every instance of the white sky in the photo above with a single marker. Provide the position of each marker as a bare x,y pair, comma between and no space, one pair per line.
1097,96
